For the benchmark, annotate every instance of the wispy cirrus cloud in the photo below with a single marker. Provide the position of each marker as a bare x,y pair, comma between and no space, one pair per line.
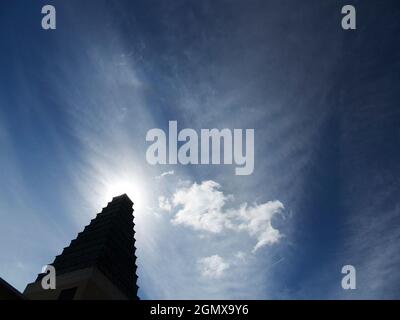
166,173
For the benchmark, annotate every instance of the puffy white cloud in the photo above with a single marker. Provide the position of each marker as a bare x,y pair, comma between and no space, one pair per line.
256,221
202,208
164,203
213,267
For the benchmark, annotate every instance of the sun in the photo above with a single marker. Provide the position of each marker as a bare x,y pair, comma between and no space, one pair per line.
134,188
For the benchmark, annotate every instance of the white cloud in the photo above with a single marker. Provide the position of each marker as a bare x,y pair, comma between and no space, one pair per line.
164,203
166,173
213,267
256,221
240,255
202,208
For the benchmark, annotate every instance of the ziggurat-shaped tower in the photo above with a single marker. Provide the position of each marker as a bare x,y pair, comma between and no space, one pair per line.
100,263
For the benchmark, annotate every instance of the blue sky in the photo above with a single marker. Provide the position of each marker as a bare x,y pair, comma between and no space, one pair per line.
76,104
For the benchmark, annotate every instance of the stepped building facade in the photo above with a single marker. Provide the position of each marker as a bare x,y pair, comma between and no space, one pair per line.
100,264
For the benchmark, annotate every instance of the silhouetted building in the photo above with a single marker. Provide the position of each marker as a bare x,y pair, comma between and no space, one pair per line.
8,292
100,263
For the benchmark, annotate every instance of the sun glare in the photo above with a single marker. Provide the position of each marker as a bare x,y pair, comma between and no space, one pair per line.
135,191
